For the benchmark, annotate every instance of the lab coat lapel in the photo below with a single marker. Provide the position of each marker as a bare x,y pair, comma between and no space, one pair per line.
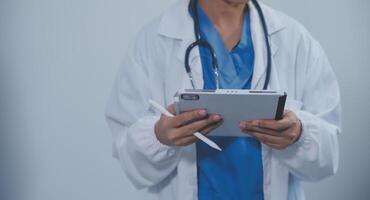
187,37
177,24
260,60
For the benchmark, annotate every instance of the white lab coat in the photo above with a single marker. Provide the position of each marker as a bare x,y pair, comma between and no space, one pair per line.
154,69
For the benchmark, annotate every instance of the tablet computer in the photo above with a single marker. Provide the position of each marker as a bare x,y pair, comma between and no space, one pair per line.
233,105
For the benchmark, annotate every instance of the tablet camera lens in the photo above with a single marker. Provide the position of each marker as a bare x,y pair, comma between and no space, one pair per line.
192,97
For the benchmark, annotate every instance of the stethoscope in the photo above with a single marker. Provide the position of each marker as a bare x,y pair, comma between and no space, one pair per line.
200,42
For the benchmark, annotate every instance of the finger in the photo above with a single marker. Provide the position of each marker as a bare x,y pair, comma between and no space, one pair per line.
277,125
189,139
276,146
186,141
171,108
211,127
274,124
187,117
267,139
246,128
290,135
199,125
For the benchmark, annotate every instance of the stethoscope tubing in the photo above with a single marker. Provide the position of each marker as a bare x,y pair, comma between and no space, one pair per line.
200,42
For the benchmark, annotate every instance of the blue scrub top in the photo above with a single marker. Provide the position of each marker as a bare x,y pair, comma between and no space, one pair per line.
237,171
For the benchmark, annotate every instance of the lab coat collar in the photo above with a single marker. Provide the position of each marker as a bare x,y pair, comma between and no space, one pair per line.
176,23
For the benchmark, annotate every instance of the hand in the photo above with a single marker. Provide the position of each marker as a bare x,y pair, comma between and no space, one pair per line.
179,130
277,134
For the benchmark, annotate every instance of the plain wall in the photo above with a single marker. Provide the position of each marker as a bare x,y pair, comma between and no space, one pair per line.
58,60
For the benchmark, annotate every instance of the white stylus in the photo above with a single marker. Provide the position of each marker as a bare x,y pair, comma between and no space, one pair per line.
197,134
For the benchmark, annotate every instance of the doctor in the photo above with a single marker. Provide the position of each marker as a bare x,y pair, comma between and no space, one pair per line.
160,153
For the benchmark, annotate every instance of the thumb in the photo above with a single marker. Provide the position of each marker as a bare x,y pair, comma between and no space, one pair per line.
171,108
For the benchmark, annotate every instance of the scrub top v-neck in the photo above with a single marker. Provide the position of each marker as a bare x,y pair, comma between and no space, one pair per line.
236,173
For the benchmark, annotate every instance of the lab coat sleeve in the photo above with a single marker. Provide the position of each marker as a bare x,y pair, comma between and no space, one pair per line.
143,158
315,155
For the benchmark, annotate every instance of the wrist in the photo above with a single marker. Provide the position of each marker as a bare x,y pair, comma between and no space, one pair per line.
299,131
157,131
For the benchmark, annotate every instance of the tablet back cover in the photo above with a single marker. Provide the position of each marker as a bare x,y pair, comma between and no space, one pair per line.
234,106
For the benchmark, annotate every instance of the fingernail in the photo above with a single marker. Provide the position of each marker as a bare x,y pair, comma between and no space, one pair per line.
202,112
242,125
256,123
216,118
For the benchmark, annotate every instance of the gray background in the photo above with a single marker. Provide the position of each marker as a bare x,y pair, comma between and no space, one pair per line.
58,59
